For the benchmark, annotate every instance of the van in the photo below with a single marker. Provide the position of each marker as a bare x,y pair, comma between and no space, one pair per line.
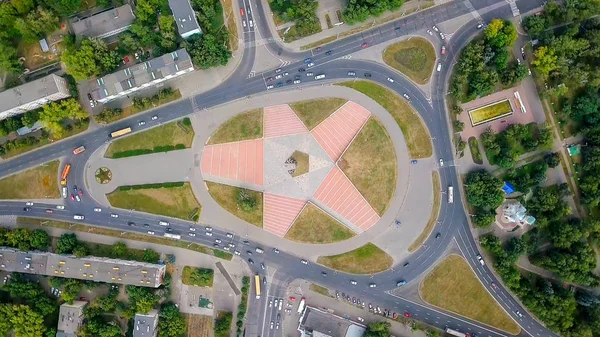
78,217
64,192
259,250
439,66
320,77
163,223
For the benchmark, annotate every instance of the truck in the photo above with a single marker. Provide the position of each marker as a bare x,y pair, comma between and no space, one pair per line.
301,305
450,194
65,174
173,236
456,333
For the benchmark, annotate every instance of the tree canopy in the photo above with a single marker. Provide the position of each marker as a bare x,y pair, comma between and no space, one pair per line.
484,190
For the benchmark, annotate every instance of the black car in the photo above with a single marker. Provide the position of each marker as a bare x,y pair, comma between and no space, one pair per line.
89,96
75,188
328,53
367,75
131,224
280,84
246,242
301,69
27,209
406,264
324,273
289,81
169,229
250,261
297,77
146,225
438,235
397,28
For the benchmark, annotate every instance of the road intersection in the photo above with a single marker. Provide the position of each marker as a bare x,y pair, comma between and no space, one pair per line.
452,219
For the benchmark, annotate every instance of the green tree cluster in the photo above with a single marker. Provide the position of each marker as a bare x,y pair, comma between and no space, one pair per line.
22,320
361,10
484,193
141,299
207,50
31,294
302,12
24,238
223,324
527,176
378,329
246,201
171,322
96,317
202,277
91,58
504,148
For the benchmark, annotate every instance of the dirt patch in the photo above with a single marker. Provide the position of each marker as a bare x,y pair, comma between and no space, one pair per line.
198,325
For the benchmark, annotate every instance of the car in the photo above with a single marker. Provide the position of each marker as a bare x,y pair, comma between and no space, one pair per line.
443,51
301,70
291,298
251,23
277,326
49,211
113,215
217,240
367,75
131,224
270,86
97,209
439,66
80,192
480,259
154,118
191,234
279,85
297,81
269,79
414,161
438,235
364,45
271,325
285,74
151,232
78,217
169,230
494,285
89,96
262,266
146,225
280,304
60,207
236,252
397,28
229,235
27,209
250,261
435,28
406,264
400,283
441,162
303,261
72,196
320,77
524,56
351,73
278,317
479,26
360,319
246,242
270,303
390,79
328,53
208,234
244,23
74,188
216,245
29,203
309,65
275,250
77,198
318,49
242,12
442,36
429,32
92,104
249,252
141,123
277,71
529,71
277,77
65,192
208,229
518,313
405,95
275,302
289,81
307,60
231,245
352,282
308,74
372,285
407,314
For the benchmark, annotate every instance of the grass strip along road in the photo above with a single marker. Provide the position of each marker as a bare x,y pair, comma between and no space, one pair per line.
36,183
415,133
367,259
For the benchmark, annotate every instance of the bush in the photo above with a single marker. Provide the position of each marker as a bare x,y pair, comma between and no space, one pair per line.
187,121
246,201
151,186
140,152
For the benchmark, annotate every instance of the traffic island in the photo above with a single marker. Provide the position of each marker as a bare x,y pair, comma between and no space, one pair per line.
367,259
103,175
317,227
414,58
314,111
36,183
452,285
435,178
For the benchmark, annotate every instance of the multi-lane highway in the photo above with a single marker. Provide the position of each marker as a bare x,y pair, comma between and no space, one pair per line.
453,224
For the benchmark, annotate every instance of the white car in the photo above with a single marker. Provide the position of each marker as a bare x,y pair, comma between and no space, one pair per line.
310,65
439,66
192,229
60,207
275,302
405,95
480,259
278,76
141,123
352,282
77,197
208,234
113,215
351,73
442,36
304,261
441,162
280,304
251,23
237,253
435,28
270,303
518,313
229,235
29,203
277,71
285,73
244,23
78,217
360,319
309,74
231,245
217,240
271,325
154,118
372,285
270,86
65,192
479,26
208,229
192,234
429,32
390,80
296,81
97,209
275,250
151,232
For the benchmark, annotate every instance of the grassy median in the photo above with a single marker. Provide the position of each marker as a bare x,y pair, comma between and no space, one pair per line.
245,126
228,197
373,175
367,259
415,133
315,111
36,183
315,226
414,57
453,286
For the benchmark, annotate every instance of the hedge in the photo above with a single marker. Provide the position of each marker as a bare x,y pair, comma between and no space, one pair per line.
156,149
242,306
151,186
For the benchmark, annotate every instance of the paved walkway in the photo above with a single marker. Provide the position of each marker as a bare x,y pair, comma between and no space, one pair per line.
159,168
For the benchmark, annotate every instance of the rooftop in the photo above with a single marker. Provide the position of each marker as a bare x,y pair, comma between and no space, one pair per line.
185,17
92,268
29,92
320,323
69,318
145,324
104,24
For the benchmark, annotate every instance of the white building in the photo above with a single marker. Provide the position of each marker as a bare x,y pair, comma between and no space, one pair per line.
32,95
185,18
140,76
145,324
70,317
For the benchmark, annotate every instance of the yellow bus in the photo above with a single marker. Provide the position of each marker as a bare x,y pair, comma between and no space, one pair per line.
257,284
119,133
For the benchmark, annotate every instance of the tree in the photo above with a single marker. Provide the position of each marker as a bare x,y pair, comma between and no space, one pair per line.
39,239
552,159
150,256
26,322
378,329
22,6
55,113
168,32
171,323
30,117
141,299
8,57
246,201
12,124
80,251
500,33
71,289
66,243
544,60
91,59
36,24
130,42
19,238
458,126
565,234
535,25
484,219
206,51
484,190
63,7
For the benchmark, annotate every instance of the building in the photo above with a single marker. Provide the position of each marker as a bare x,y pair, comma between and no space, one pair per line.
145,324
514,214
91,268
70,318
140,76
104,24
27,130
315,322
32,95
185,18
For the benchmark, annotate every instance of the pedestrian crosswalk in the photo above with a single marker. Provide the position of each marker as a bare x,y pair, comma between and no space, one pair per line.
513,7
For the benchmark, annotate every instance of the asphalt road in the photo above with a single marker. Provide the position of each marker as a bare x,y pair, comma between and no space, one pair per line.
453,223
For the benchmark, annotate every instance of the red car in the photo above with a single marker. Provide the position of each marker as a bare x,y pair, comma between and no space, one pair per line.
292,298
242,11
407,314
80,193
365,45
82,299
443,50
72,197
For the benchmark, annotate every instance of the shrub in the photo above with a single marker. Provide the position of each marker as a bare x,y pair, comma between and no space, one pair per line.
187,121
246,201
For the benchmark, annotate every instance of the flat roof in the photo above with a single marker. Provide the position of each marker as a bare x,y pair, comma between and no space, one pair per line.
145,324
104,24
29,92
185,17
141,74
91,268
69,318
322,324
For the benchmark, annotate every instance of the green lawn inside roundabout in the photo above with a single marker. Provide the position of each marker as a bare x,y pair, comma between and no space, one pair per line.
452,285
367,259
317,227
414,57
244,204
245,126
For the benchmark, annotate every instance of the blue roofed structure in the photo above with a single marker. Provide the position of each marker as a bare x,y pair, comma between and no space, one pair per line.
508,188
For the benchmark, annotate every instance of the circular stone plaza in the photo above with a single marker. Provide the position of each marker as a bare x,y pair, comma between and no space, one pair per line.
293,166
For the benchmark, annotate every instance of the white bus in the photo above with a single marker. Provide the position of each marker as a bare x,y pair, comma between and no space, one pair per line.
456,333
163,223
173,236
301,305
450,194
